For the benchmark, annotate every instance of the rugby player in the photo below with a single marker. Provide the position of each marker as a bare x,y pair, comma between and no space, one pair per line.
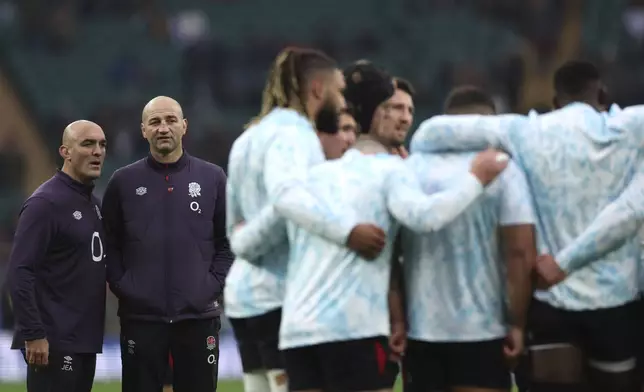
386,123
57,272
335,315
268,163
577,160
460,338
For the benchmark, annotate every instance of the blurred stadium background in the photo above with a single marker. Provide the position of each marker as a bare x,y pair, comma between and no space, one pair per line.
104,59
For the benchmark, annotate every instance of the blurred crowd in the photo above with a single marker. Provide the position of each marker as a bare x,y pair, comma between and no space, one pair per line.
220,81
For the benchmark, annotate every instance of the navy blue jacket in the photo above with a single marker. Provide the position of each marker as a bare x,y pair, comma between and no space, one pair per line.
168,254
57,270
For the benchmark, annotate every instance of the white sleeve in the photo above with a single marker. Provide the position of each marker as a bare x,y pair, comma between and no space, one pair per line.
516,207
424,213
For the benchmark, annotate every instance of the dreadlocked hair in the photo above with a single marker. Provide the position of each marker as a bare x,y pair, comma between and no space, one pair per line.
287,78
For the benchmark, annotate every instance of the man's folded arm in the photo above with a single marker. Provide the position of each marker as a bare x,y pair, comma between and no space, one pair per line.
286,185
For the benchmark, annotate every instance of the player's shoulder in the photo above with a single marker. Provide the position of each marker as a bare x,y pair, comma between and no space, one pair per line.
629,121
240,144
281,123
208,168
133,169
49,192
39,203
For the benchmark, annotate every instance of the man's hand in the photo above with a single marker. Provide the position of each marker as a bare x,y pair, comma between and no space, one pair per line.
548,271
367,240
397,341
37,352
513,346
489,164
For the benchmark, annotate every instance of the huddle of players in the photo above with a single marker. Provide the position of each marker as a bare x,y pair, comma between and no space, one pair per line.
317,274
312,277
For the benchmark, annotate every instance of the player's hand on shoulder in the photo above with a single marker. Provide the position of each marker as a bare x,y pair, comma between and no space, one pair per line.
367,240
37,352
488,164
548,272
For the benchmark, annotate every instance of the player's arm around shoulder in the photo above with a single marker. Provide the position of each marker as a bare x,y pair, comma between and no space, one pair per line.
249,240
421,212
618,221
469,132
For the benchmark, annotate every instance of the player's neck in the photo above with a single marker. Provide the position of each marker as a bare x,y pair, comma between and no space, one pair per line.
172,157
368,145
74,176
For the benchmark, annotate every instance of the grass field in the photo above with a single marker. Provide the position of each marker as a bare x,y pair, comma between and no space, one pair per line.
224,386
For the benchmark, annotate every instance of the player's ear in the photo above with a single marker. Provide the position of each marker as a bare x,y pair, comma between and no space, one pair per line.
143,133
64,152
185,125
318,88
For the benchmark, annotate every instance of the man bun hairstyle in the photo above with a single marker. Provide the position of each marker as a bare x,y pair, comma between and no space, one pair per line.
287,78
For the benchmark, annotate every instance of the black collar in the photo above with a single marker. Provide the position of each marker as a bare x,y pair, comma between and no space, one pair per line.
168,167
84,189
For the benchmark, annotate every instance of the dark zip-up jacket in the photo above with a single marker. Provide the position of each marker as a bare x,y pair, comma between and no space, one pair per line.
168,254
57,269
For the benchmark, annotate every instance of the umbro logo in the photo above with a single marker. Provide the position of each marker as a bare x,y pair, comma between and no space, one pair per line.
140,191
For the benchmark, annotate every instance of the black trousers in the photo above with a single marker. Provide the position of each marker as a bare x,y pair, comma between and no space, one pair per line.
146,346
64,373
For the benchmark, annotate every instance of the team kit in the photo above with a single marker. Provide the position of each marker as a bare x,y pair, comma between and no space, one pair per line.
498,251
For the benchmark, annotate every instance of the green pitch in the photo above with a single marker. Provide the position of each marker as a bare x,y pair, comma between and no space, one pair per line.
224,386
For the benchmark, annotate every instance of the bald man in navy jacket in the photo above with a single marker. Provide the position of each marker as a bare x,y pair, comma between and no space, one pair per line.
57,272
169,256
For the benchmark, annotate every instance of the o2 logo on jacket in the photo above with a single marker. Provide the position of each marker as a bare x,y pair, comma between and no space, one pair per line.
194,206
194,190
97,238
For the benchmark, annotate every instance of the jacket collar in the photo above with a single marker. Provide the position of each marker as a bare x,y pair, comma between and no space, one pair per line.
168,167
83,189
